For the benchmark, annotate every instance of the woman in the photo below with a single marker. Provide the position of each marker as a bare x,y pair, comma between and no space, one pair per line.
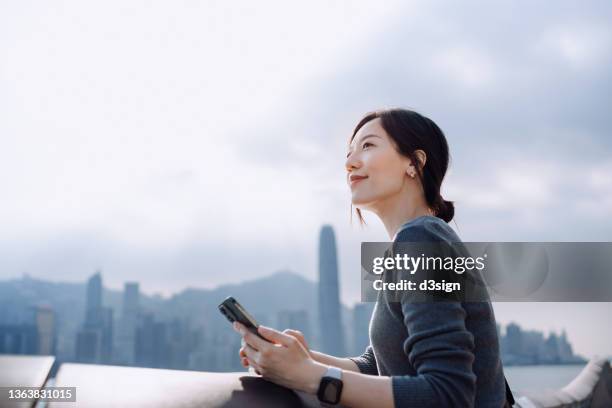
421,353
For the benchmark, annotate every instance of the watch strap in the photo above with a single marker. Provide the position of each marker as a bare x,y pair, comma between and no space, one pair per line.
335,373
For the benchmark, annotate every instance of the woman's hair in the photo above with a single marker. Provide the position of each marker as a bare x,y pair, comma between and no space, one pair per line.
412,131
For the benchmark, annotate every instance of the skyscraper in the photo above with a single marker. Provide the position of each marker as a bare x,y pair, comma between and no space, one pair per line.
331,331
151,343
126,329
45,326
93,305
131,300
94,342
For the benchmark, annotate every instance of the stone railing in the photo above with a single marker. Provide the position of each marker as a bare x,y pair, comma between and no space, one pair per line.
591,388
115,386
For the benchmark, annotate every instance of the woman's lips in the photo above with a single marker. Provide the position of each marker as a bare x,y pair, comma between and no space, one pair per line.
355,180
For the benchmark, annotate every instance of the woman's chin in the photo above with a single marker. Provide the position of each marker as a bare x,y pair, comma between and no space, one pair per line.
361,203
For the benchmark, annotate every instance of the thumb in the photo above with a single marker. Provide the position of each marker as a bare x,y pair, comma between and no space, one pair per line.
294,333
275,336
298,335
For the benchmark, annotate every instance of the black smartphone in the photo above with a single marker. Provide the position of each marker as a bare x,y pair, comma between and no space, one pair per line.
234,311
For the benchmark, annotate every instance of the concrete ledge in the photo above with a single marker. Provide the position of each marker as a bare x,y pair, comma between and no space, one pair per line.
591,388
114,386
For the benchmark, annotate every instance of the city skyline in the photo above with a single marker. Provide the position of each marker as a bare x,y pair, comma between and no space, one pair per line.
580,319
174,342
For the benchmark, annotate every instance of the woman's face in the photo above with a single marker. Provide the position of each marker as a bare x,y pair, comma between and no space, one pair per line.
375,169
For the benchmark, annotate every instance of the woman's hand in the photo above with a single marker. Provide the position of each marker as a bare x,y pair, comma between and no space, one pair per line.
295,333
284,359
300,337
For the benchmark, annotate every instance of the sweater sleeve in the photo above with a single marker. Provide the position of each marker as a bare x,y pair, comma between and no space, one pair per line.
366,362
440,348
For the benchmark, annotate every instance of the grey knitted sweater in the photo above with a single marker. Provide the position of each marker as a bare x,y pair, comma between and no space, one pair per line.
438,354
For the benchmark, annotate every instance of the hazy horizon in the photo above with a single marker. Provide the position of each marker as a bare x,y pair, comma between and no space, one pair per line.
508,310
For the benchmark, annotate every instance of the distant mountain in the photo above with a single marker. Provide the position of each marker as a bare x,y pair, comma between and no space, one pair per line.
267,295
262,294
283,290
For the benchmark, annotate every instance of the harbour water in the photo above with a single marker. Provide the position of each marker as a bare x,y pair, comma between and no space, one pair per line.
532,379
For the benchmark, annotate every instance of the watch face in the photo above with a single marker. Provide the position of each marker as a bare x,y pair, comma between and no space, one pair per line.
330,390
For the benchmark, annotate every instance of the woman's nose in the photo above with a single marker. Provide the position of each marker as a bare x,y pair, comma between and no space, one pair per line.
352,163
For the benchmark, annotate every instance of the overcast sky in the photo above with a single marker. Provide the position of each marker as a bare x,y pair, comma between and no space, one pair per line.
203,143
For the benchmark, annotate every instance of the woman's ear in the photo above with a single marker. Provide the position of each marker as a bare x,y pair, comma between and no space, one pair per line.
422,157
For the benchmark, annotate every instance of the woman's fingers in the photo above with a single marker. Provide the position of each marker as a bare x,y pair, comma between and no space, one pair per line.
245,360
275,336
243,357
251,356
250,353
257,368
251,338
294,333
242,354
298,335
242,346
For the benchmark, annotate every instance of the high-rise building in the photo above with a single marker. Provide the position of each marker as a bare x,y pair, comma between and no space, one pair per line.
107,335
331,331
32,333
126,329
151,343
88,345
93,300
131,300
94,342
18,339
45,326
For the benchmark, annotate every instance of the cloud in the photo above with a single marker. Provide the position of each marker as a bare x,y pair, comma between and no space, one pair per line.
582,45
465,66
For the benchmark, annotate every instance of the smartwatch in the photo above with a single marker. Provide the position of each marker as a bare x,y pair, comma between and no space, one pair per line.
330,387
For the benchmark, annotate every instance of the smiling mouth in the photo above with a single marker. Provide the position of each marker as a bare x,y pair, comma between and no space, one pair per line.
356,180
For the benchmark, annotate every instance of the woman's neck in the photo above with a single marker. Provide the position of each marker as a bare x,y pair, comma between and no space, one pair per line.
396,211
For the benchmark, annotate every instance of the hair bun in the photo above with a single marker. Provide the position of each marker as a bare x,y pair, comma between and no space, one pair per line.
445,210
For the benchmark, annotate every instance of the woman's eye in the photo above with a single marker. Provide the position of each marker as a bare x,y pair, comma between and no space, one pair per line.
367,144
